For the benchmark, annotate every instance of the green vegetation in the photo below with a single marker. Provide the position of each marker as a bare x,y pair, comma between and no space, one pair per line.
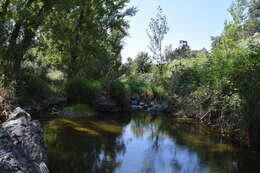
82,108
158,29
77,38
81,90
147,91
222,88
73,49
120,92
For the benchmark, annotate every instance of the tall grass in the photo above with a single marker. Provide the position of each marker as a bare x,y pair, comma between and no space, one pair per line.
81,90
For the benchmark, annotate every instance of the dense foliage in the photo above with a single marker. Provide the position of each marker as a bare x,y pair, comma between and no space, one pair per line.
73,49
76,37
222,87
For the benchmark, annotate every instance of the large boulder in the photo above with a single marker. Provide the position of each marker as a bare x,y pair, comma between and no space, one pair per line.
22,145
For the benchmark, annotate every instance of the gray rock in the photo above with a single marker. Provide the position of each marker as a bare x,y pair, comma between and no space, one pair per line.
135,99
142,104
53,102
158,108
105,104
136,108
21,145
48,105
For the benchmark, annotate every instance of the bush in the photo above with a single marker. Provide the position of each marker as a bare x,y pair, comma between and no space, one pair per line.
143,89
185,80
148,92
159,93
120,92
221,107
30,82
245,76
31,89
81,90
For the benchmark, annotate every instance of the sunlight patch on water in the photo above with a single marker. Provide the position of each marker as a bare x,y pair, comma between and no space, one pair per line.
203,141
142,144
108,127
61,123
222,148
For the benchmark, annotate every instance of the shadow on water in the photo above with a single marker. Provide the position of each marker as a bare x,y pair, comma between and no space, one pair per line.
141,144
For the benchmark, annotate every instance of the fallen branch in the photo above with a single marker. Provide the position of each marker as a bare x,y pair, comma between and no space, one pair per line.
204,116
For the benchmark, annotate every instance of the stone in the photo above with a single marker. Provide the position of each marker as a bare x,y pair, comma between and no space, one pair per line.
105,104
135,99
17,113
47,105
136,108
142,103
50,103
158,108
21,145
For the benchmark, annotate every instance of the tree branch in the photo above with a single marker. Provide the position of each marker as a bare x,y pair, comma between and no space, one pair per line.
15,33
4,8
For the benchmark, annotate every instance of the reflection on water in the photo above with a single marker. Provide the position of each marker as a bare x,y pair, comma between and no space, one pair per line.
141,145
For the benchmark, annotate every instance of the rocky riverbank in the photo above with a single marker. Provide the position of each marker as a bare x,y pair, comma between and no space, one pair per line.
22,145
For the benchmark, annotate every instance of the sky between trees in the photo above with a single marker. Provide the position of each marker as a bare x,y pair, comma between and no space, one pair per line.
188,20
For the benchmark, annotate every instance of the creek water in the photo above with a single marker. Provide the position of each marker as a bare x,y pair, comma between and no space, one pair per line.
141,144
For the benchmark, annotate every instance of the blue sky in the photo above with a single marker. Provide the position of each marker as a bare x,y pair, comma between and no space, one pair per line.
191,20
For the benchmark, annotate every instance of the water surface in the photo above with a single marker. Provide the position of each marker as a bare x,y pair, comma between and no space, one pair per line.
141,144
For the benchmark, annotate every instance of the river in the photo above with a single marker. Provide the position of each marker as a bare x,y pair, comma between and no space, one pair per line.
141,144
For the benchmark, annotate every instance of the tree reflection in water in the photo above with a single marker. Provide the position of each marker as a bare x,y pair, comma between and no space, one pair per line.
83,146
163,154
147,144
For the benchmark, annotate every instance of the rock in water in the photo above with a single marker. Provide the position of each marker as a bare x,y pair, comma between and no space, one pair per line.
105,104
21,145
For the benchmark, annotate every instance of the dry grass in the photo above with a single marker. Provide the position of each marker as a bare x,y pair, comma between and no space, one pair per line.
7,102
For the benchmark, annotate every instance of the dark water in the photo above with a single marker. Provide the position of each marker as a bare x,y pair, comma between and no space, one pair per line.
141,144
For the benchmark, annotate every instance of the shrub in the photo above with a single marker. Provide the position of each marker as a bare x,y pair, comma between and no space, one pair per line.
31,89
81,90
159,93
185,80
120,92
148,92
30,82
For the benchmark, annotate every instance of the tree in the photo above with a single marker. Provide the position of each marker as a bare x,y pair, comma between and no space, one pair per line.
158,28
20,22
169,53
143,62
234,30
199,53
79,33
238,11
183,51
254,17
91,36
